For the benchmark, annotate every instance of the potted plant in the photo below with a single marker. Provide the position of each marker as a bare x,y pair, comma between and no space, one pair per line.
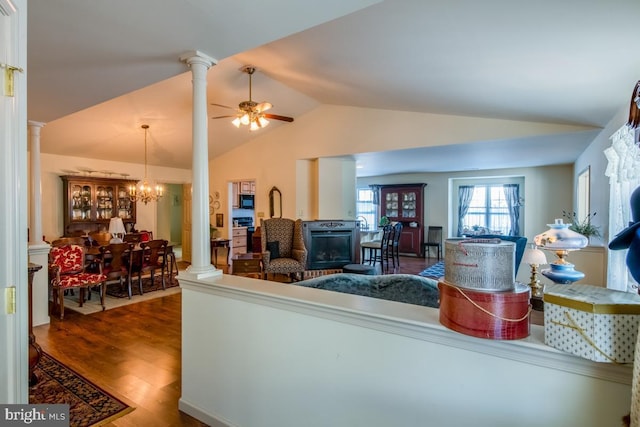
583,227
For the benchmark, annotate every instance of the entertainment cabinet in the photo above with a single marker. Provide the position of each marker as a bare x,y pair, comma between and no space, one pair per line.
404,203
91,202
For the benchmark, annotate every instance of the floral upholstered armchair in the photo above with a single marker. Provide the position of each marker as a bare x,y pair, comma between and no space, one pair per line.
283,250
67,271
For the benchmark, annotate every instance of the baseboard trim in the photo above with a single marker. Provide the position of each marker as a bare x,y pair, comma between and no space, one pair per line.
199,414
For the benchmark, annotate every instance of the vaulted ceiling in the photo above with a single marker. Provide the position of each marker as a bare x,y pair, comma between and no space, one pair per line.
98,70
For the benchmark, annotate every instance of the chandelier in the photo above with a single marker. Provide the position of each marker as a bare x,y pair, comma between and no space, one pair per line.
145,192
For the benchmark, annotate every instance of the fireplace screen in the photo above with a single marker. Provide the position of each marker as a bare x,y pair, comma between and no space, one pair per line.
330,250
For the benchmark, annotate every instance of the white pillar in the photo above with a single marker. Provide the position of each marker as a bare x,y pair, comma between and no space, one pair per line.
201,266
38,249
35,213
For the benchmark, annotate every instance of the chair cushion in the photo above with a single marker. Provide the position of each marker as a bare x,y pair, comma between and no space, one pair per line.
274,248
80,280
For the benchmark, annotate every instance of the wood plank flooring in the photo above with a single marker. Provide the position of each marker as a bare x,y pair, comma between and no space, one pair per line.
134,352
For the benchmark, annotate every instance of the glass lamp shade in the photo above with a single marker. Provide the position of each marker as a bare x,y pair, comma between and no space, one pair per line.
559,238
534,256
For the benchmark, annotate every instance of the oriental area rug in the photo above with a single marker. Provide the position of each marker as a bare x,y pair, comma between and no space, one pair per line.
89,405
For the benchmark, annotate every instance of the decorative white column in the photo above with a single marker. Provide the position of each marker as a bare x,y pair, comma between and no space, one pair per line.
38,249
201,266
35,213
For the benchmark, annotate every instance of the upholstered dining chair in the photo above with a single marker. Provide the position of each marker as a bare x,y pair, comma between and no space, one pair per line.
116,265
67,271
283,249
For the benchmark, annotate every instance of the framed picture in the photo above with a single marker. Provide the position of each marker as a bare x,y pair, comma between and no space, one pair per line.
219,220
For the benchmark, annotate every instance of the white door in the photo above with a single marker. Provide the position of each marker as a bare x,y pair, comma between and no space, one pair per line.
13,199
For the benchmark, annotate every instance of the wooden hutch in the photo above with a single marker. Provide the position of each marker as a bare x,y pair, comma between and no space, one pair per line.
405,203
90,202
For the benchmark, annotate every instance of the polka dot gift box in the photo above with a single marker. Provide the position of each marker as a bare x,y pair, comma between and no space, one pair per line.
592,322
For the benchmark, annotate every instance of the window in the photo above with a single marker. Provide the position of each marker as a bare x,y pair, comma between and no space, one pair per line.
488,206
365,208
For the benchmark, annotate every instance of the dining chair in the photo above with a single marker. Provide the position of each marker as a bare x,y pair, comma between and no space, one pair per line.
153,257
434,240
394,244
116,263
379,249
67,271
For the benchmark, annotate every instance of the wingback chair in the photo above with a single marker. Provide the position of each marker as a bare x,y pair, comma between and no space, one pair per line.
283,250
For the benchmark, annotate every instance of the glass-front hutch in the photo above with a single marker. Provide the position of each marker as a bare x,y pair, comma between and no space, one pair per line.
91,202
405,203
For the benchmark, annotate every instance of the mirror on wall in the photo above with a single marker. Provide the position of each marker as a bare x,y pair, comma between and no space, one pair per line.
583,194
275,203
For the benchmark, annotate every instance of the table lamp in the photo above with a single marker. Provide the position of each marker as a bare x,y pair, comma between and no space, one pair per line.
561,240
535,258
116,228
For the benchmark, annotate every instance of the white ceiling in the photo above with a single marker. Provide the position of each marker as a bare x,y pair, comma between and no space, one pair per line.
98,70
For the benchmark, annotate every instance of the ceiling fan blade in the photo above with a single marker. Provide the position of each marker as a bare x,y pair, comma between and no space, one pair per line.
277,117
263,106
223,106
221,117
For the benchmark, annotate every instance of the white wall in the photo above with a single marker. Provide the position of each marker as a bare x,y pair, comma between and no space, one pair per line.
594,157
277,158
261,353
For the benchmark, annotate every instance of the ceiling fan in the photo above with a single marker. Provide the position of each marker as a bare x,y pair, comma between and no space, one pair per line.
251,113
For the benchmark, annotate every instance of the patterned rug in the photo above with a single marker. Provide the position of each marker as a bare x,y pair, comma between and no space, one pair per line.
89,405
436,271
115,290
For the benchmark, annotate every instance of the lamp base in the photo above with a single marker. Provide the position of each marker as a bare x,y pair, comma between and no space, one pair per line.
562,273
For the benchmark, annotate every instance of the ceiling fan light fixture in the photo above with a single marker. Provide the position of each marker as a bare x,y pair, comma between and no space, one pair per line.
245,119
262,121
254,125
236,122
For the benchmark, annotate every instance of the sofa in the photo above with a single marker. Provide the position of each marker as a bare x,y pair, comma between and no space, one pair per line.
406,288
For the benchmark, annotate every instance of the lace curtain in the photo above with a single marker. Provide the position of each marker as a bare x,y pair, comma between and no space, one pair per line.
623,171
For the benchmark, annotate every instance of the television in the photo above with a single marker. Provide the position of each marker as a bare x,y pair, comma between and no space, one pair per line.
246,201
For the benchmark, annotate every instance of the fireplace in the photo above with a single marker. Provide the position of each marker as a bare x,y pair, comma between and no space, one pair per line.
330,244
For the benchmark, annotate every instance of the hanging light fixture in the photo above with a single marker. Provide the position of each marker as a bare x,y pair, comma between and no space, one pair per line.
145,192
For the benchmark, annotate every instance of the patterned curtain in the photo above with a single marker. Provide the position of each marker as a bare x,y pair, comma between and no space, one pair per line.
512,196
623,171
465,194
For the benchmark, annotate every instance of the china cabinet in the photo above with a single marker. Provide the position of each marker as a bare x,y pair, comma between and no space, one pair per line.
90,202
404,203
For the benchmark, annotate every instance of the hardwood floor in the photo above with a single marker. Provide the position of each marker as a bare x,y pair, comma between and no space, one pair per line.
134,352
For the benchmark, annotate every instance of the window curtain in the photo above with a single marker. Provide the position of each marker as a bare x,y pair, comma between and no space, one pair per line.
465,194
376,193
623,170
512,197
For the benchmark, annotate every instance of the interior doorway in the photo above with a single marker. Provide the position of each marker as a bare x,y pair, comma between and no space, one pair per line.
170,216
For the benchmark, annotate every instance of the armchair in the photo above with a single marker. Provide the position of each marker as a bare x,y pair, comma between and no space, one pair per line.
283,250
67,271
